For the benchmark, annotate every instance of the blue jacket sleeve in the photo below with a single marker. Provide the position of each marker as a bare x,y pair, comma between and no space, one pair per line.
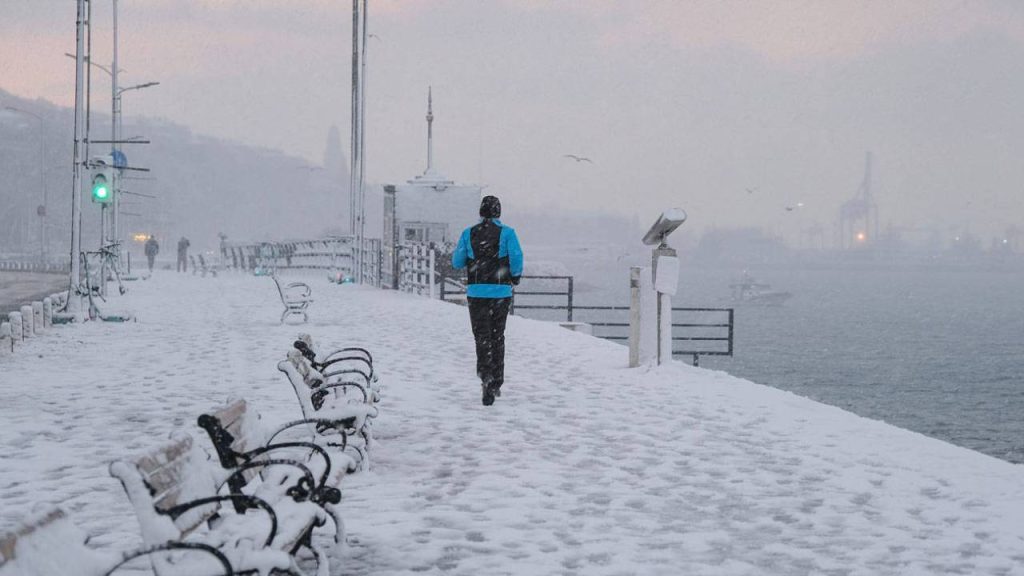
461,253
515,254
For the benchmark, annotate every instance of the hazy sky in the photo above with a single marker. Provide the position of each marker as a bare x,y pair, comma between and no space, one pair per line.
677,103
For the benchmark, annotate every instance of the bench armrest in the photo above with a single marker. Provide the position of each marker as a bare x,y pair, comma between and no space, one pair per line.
366,397
250,501
318,422
369,357
204,548
305,488
304,288
340,372
334,360
310,445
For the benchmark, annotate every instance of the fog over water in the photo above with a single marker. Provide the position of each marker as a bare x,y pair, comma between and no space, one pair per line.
935,348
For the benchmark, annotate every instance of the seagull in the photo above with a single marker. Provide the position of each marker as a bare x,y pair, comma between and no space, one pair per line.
578,158
375,36
750,190
791,208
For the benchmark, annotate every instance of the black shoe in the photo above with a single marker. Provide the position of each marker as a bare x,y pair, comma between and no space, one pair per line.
488,396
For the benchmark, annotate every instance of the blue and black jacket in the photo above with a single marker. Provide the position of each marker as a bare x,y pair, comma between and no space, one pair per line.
491,253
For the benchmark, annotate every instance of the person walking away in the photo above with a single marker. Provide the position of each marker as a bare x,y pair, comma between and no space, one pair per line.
491,253
183,245
151,249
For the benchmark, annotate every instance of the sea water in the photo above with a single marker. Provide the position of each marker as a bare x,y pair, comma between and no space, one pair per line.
934,349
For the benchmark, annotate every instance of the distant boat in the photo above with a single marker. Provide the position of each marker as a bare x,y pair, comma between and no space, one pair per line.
750,291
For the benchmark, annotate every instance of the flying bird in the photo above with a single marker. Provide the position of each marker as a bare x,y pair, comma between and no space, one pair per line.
578,158
791,208
750,190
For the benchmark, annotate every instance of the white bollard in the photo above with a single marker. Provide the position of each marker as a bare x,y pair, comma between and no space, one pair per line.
6,342
47,312
17,332
27,322
37,317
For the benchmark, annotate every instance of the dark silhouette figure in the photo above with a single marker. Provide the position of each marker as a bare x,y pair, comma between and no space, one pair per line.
152,249
183,245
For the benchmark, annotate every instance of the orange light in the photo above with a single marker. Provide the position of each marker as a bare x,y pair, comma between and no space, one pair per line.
861,236
140,237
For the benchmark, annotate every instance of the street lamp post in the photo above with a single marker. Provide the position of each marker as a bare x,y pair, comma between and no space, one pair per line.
115,133
41,210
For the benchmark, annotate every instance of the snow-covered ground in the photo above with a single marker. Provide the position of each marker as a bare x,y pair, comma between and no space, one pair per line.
582,467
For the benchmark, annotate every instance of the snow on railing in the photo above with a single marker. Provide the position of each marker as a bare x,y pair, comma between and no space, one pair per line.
333,254
417,268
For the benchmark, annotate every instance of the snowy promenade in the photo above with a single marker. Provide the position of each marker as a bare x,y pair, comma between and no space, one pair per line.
582,467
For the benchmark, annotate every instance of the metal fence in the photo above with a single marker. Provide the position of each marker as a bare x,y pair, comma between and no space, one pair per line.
416,270
333,254
696,332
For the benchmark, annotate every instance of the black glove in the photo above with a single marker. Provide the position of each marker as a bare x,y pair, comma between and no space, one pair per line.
515,280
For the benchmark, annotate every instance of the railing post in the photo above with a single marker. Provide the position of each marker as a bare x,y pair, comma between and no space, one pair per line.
730,330
570,298
430,273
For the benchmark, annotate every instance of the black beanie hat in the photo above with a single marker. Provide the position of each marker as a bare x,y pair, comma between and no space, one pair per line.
490,207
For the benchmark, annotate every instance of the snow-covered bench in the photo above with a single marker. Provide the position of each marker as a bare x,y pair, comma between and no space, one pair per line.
201,268
304,470
296,297
320,399
175,492
351,360
49,544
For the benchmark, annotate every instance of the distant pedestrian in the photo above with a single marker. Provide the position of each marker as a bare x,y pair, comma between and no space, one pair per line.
152,249
183,245
491,254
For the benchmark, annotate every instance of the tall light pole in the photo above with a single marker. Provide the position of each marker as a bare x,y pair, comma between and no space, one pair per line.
115,131
354,172
74,303
41,210
114,97
357,205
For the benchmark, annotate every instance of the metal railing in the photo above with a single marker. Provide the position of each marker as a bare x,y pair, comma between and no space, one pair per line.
705,331
334,254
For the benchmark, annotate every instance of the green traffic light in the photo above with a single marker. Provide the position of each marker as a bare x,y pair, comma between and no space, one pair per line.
100,190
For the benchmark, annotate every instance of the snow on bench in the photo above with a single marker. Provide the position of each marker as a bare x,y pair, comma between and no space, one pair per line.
313,394
296,297
299,469
174,491
49,544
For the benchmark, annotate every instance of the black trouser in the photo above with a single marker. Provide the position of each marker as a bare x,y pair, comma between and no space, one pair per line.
488,316
182,262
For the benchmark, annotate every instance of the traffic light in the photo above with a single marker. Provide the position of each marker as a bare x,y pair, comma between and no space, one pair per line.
102,180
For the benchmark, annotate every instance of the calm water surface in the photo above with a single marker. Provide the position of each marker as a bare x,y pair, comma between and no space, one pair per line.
938,351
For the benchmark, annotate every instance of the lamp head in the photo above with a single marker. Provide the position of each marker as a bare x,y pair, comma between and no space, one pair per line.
665,225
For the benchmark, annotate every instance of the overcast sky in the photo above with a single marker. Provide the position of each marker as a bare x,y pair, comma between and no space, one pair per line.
678,103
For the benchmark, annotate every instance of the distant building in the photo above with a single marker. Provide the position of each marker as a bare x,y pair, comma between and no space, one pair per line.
428,208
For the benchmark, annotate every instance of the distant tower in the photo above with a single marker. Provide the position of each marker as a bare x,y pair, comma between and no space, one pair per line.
430,130
858,216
